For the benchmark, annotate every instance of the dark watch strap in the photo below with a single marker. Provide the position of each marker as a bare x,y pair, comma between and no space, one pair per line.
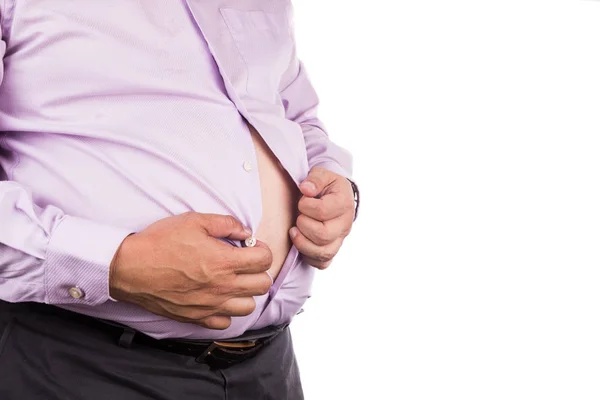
356,197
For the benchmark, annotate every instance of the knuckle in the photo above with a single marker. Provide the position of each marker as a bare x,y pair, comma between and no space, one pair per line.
177,302
305,205
208,302
330,254
322,234
325,256
265,285
302,204
319,241
346,231
167,309
220,290
210,224
230,220
267,259
343,206
249,306
318,181
321,258
320,210
194,314
226,261
348,205
190,217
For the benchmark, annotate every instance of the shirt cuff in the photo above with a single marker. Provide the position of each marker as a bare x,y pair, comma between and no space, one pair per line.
78,258
335,167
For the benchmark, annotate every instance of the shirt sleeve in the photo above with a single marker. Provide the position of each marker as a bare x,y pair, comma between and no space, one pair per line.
47,256
301,105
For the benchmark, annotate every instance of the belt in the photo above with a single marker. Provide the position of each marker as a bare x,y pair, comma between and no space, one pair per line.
217,354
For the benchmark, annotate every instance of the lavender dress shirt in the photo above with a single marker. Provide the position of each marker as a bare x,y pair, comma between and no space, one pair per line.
115,114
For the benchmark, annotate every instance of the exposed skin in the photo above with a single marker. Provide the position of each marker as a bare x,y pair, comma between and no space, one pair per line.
178,268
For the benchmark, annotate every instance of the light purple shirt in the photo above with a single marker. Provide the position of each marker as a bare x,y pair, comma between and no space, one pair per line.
115,114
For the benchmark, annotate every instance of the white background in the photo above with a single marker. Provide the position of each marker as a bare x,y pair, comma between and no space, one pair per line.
473,270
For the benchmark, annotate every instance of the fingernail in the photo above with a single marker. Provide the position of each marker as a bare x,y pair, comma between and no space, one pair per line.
294,232
309,185
248,231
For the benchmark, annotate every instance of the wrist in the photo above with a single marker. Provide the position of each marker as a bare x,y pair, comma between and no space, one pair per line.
115,292
356,195
77,263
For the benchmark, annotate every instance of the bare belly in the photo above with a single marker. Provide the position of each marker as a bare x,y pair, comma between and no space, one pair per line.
280,197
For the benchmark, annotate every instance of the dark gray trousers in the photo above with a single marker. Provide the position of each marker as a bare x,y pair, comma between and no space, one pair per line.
46,356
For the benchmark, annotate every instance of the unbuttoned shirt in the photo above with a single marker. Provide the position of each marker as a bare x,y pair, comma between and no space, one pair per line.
115,114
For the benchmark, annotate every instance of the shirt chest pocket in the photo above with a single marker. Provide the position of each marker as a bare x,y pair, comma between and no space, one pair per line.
264,42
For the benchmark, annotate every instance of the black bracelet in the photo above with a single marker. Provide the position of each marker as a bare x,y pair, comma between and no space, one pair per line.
356,197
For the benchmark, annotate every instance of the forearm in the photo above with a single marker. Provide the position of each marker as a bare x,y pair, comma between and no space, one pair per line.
45,253
301,102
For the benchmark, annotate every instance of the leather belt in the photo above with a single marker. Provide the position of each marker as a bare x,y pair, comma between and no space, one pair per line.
219,354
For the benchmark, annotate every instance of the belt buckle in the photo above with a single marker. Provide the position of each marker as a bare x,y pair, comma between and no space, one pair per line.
227,346
235,345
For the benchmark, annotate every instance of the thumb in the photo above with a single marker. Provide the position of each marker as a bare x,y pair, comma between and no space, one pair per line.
316,181
225,226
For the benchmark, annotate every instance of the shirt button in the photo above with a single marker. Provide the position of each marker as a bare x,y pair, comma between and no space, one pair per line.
250,242
76,293
247,166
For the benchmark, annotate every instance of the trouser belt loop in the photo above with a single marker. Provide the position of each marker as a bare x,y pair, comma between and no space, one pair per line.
126,338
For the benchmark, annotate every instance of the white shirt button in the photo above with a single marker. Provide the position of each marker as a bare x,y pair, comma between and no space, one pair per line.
248,166
76,293
250,242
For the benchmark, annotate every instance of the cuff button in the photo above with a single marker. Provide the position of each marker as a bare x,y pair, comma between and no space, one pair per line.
76,293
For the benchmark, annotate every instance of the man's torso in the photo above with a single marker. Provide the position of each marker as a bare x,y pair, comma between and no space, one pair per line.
128,112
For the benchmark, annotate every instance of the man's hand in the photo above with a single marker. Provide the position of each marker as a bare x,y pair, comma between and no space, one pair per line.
326,216
178,268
